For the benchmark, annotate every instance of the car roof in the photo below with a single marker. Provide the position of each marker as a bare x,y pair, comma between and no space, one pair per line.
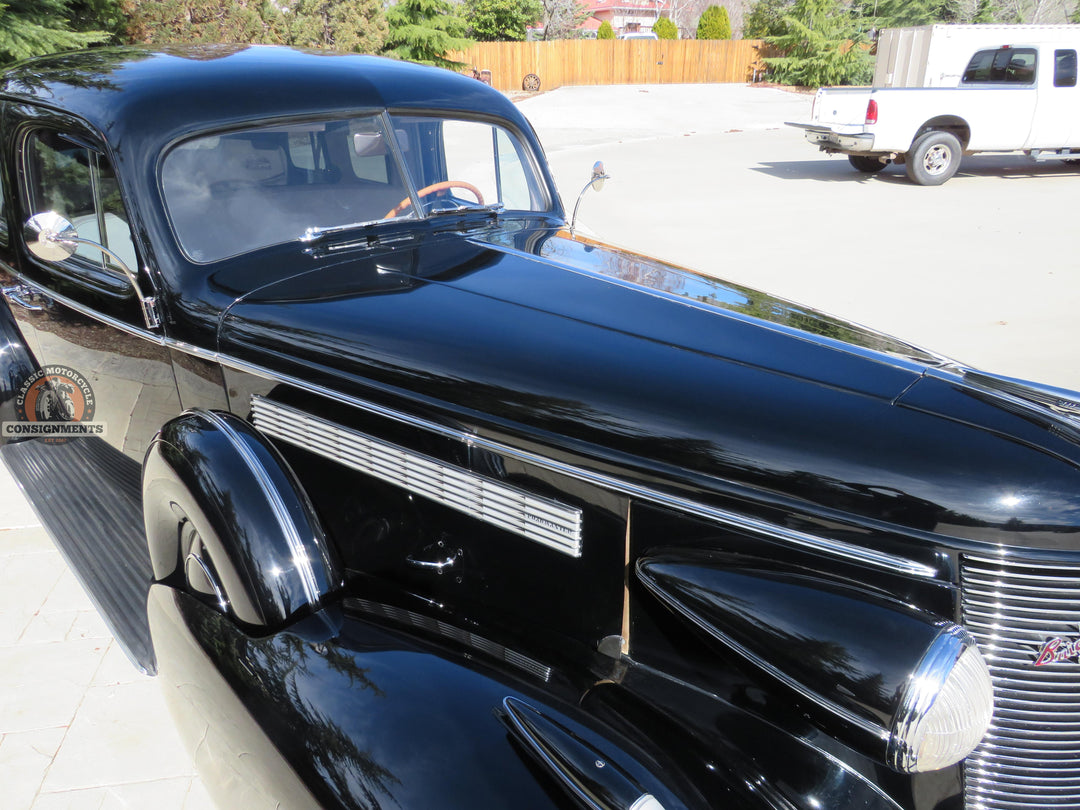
152,96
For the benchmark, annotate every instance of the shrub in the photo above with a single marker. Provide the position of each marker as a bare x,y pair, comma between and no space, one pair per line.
665,29
605,31
714,24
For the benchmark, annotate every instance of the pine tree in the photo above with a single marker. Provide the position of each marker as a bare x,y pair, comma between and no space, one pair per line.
714,24
822,46
425,31
33,27
356,26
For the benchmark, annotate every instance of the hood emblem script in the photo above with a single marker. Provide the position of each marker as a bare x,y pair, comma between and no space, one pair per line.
1058,650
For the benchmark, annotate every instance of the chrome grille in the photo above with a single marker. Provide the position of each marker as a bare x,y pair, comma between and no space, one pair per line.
1031,757
541,520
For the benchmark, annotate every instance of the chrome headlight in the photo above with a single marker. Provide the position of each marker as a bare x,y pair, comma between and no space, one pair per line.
946,708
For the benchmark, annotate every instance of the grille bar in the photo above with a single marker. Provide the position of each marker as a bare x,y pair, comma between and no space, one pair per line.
538,519
1031,757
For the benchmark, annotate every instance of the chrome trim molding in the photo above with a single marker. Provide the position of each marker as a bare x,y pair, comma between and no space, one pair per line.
436,627
281,513
541,520
770,531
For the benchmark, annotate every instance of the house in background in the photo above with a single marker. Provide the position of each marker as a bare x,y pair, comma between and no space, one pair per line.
627,16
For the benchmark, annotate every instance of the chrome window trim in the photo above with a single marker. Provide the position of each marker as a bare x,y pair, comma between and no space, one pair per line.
770,531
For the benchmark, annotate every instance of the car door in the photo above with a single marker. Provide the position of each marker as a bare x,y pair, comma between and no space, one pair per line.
105,383
1055,115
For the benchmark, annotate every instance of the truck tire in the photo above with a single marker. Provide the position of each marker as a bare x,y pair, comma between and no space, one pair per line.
934,158
864,163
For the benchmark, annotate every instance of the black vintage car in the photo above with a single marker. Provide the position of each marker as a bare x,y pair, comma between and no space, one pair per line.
414,499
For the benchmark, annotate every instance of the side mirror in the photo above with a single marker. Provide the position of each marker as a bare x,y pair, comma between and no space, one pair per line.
598,176
52,238
596,182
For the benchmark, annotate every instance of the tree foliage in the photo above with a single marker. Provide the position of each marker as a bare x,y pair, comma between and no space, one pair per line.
605,31
822,45
714,23
356,26
766,19
501,20
425,31
34,27
343,25
665,29
563,18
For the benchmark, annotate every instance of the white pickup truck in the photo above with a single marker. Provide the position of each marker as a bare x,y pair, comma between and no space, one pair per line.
1009,98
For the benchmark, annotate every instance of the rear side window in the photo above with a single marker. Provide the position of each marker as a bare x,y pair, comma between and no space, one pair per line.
1065,68
1001,66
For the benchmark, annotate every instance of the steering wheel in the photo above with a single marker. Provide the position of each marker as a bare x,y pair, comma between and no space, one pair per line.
433,188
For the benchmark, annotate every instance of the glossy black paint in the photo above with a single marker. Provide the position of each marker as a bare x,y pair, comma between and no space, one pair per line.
503,346
225,515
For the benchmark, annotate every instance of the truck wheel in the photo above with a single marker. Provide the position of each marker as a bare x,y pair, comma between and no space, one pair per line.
934,158
862,163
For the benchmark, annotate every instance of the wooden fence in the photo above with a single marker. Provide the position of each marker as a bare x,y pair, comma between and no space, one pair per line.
620,61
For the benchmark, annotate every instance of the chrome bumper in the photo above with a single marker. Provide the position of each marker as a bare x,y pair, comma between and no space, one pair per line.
830,141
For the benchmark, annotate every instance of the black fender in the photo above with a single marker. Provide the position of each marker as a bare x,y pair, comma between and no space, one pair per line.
227,519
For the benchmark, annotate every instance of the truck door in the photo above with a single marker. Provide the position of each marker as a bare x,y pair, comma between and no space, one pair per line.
1054,126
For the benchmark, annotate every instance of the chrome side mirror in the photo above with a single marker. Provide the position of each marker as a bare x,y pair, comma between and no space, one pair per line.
596,183
598,176
52,238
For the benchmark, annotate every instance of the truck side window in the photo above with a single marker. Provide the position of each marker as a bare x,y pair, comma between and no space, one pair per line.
1065,68
1001,66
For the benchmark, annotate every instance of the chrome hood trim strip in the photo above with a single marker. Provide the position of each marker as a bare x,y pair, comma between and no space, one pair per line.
541,520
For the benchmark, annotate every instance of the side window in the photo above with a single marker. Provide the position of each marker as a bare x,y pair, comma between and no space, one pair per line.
1065,68
78,183
1001,66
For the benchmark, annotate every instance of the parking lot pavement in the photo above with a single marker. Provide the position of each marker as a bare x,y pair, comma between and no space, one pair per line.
983,269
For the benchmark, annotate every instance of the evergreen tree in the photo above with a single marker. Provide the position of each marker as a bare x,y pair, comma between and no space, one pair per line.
425,31
714,24
33,27
161,22
356,26
665,29
766,19
501,20
822,46
605,31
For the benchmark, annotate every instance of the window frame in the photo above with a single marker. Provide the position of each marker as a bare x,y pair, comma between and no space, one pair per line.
1003,80
100,273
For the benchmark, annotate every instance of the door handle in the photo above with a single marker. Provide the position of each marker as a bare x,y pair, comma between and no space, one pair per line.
25,297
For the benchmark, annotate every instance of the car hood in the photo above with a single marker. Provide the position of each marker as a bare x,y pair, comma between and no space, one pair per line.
603,355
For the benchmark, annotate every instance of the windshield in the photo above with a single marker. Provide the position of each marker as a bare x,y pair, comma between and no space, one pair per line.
459,164
234,192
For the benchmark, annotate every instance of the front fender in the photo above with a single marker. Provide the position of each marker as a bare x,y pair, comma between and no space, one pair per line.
226,518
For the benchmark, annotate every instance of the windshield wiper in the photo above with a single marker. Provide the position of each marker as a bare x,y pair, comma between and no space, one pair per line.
316,232
494,208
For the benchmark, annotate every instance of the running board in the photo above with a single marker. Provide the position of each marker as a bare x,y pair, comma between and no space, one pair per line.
88,495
